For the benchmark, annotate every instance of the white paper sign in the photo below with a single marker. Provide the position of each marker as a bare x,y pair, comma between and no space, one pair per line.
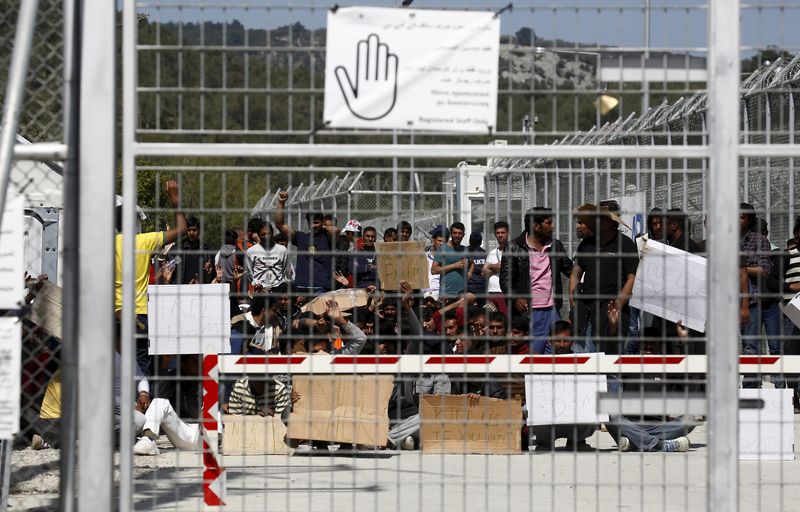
188,318
411,69
792,310
671,284
563,399
10,371
12,252
768,433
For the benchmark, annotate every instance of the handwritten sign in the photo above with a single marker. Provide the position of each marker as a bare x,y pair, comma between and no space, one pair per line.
12,252
10,369
185,319
671,284
47,309
402,261
563,399
767,433
342,408
411,69
449,424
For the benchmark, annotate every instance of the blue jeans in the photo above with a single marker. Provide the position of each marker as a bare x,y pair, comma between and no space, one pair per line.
585,345
767,315
540,322
632,344
645,438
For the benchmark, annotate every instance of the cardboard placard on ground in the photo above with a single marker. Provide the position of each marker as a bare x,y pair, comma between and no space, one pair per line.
564,399
347,299
253,435
187,318
448,424
47,309
402,261
767,433
342,408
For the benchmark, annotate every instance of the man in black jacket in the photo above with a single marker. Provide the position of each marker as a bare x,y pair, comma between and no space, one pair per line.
529,275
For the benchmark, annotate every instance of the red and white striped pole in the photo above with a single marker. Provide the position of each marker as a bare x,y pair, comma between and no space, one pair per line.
213,473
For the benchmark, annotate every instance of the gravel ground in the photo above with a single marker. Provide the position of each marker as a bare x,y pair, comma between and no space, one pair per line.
600,480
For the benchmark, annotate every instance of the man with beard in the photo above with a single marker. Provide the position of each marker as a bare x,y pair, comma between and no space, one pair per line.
267,262
314,272
196,265
363,265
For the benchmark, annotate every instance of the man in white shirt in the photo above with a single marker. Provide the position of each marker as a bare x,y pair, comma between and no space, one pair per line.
491,270
267,262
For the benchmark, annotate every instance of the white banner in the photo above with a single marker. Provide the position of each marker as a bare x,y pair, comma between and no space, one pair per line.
564,399
671,284
411,69
12,254
767,433
187,318
10,370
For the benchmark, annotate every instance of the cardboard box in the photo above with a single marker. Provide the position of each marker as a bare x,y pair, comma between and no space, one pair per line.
47,309
347,299
253,435
450,425
342,408
402,261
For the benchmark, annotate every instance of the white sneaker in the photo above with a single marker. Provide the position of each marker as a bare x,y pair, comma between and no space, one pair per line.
680,444
145,446
624,444
408,443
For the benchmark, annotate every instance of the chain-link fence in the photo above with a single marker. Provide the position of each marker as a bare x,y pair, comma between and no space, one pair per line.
413,398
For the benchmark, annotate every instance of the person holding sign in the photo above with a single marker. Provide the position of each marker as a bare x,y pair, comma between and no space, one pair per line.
145,245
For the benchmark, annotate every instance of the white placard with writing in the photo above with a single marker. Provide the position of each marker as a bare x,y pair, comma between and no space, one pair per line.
10,370
767,433
563,399
188,318
671,284
12,252
411,69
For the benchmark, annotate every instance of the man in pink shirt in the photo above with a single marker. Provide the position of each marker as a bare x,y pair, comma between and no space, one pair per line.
529,275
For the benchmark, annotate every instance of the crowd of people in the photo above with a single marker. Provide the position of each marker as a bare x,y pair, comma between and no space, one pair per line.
528,295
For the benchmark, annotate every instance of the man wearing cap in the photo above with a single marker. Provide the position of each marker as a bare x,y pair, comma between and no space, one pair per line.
314,273
529,275
606,264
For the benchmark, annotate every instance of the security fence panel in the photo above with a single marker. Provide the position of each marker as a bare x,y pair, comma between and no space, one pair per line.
456,256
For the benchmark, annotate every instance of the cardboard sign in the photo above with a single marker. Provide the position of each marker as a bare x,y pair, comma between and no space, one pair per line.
12,255
187,318
768,433
402,261
671,284
792,310
448,424
10,369
346,299
253,435
564,399
342,408
411,69
47,310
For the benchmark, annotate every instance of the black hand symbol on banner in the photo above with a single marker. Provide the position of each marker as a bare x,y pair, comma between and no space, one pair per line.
373,93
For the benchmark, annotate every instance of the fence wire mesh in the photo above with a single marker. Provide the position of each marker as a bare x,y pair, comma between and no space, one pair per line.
430,397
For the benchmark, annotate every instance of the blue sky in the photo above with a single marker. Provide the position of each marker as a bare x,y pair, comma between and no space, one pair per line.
674,23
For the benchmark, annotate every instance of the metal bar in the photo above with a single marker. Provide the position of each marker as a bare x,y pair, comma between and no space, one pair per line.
651,404
96,361
128,318
771,150
5,472
723,291
70,355
15,92
51,151
415,150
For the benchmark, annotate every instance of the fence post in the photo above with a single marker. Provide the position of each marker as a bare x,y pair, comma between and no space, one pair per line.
723,289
